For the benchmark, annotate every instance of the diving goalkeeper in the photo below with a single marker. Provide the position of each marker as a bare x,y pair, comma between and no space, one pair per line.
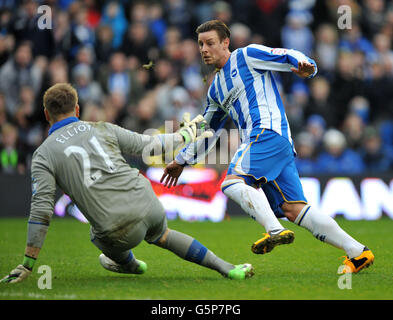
85,160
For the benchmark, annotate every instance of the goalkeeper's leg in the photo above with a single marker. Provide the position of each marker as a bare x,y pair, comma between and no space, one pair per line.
188,248
116,255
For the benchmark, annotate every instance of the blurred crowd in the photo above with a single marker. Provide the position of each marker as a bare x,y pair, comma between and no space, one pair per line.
137,64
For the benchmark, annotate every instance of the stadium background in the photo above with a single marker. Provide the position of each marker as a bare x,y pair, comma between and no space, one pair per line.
341,120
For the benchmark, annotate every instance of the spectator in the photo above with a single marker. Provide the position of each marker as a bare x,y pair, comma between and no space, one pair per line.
345,85
384,52
87,88
353,40
297,101
138,42
19,71
191,70
240,35
113,15
103,47
372,17
93,112
4,117
326,49
117,78
181,103
267,18
337,158
93,40
321,102
172,48
64,39
305,159
222,11
11,160
361,106
178,16
296,34
157,23
82,34
377,158
353,127
5,49
316,126
25,27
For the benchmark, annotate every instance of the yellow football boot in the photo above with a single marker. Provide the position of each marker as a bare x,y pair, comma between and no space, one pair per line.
354,265
270,240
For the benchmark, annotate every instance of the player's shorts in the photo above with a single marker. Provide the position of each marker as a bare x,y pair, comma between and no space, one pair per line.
117,243
267,161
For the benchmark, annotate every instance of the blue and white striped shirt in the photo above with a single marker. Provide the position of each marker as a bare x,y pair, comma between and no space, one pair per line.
245,90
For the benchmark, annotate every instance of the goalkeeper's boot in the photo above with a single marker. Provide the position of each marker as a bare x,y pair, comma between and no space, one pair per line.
113,266
272,239
356,264
241,271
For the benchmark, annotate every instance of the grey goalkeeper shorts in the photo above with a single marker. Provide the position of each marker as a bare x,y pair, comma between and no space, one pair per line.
150,228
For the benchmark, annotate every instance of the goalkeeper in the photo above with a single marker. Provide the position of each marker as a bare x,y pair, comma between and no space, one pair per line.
85,160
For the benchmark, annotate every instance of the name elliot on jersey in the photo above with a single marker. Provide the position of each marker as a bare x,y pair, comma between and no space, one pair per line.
72,131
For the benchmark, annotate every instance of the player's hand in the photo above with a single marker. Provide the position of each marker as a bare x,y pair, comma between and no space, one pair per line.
195,129
304,69
171,174
19,274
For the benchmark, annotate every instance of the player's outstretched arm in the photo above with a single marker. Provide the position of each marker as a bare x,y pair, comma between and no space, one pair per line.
41,210
304,69
22,271
147,145
171,174
189,129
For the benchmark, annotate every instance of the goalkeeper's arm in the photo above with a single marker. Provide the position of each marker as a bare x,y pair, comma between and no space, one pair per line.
42,202
146,145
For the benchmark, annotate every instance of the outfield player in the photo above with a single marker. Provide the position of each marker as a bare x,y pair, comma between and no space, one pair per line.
85,160
244,90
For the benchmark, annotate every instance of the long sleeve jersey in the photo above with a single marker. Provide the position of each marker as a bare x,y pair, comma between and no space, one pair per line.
85,160
244,90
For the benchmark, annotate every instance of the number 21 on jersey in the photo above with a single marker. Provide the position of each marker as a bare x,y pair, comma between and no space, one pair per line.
88,177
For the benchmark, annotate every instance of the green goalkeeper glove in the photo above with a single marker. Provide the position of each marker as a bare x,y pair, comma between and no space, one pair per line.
19,274
189,130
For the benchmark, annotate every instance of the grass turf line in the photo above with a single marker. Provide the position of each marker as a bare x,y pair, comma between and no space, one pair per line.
306,269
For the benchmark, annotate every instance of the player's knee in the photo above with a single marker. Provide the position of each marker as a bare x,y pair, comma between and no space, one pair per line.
292,210
162,241
226,184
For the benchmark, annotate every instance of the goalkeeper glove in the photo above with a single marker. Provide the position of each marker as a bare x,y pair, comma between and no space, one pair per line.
21,272
17,275
189,131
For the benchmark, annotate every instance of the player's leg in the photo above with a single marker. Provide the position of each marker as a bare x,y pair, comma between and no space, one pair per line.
258,162
323,227
116,255
252,163
188,248
252,201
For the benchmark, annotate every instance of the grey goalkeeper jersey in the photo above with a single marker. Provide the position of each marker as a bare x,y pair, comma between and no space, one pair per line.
85,160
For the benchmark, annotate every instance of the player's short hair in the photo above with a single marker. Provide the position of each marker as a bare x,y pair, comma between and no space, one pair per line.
60,99
217,25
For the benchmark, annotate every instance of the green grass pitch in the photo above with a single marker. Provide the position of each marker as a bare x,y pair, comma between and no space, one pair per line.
306,269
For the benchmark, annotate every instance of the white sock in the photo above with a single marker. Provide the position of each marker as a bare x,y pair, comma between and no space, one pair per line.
253,202
326,229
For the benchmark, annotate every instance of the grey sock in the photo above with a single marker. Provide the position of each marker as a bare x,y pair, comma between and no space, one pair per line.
190,249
